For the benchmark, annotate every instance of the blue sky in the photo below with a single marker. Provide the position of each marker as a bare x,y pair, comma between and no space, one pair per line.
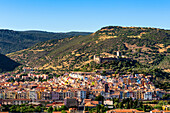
82,15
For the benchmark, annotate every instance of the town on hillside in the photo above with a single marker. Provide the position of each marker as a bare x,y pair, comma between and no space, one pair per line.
81,92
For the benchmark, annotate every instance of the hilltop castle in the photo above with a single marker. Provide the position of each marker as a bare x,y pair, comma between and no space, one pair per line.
101,60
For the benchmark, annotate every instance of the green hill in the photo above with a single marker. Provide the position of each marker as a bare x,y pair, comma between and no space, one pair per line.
148,49
147,45
11,41
165,63
6,64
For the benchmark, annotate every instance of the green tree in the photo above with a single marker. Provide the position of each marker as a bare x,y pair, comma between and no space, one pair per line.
13,108
162,103
63,111
127,105
144,108
98,108
55,109
158,107
99,98
17,109
63,107
141,104
50,109
86,108
131,102
116,104
121,105
38,109
23,109
135,103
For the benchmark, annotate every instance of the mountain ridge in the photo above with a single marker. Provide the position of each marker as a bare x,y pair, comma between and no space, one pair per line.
69,53
11,41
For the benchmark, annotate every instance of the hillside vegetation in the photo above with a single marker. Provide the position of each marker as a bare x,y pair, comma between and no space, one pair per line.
141,44
6,64
148,49
11,41
165,63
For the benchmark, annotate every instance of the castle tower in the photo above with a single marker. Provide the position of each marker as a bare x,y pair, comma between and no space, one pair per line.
94,57
97,59
118,53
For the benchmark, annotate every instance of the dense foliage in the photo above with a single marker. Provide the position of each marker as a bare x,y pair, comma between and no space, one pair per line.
31,108
6,64
141,44
117,65
128,103
165,63
22,108
99,109
11,41
62,108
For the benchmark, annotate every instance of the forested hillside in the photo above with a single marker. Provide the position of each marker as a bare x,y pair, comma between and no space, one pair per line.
149,46
11,41
6,64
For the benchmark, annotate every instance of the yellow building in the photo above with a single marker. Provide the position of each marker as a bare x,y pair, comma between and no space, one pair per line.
9,95
22,95
39,95
166,107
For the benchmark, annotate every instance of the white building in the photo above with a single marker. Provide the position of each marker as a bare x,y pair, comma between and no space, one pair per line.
1,95
108,102
81,94
32,95
148,95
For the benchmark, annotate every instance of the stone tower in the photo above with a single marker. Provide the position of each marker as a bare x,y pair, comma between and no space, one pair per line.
118,53
97,59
